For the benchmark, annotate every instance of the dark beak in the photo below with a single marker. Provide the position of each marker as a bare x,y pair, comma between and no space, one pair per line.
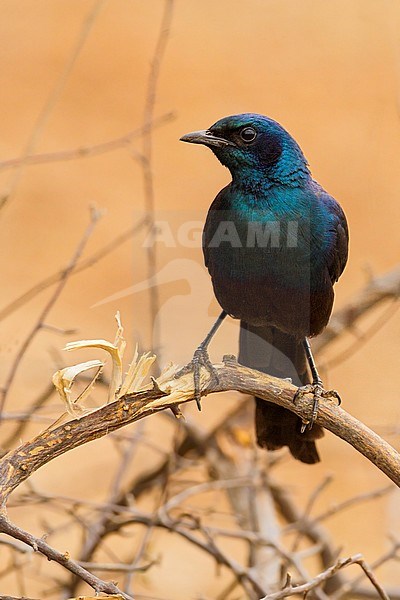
207,138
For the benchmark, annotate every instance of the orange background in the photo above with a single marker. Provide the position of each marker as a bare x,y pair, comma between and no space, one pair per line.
329,72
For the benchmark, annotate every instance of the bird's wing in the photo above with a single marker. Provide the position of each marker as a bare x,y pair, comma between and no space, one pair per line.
220,203
336,259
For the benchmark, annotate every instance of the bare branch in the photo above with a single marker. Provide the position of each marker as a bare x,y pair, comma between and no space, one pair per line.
80,266
55,93
311,501
350,588
17,598
117,567
39,545
18,465
86,151
304,588
310,529
147,163
353,502
95,215
27,417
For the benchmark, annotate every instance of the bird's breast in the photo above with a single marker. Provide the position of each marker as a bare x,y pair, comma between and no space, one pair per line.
263,268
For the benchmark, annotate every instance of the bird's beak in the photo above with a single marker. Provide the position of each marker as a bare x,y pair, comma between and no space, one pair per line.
207,138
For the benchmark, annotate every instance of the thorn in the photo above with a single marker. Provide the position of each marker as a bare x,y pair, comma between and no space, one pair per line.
288,581
156,387
229,358
177,412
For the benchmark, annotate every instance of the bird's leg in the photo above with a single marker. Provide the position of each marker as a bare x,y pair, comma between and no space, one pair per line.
201,359
315,388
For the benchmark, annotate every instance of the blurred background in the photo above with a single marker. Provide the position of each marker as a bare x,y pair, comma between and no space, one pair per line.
75,75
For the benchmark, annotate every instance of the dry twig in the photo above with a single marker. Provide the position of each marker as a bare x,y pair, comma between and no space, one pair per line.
63,559
95,215
18,465
54,96
147,164
305,588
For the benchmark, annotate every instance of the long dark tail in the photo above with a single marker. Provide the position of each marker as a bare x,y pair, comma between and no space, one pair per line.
277,353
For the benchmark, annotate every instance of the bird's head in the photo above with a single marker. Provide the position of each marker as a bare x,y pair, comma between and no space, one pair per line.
252,145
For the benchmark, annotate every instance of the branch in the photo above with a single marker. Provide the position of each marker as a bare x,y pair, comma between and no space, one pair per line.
80,266
147,163
304,588
87,150
55,94
17,598
94,217
18,465
39,545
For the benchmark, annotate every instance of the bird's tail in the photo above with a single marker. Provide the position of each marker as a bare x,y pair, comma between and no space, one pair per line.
277,353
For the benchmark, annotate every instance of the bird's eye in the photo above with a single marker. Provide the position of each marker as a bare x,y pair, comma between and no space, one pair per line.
248,134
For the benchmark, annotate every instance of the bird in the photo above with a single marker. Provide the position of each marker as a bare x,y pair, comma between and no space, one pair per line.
274,242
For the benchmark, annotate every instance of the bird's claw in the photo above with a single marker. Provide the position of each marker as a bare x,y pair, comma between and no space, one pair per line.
318,391
200,359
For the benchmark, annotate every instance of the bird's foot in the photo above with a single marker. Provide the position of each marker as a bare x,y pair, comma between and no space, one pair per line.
200,359
318,391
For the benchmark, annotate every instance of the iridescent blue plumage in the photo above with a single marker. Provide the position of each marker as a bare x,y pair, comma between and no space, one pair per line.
274,243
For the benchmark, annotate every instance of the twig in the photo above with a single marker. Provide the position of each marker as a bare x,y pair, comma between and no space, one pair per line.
194,440
201,488
39,545
310,527
161,518
117,567
96,530
157,520
242,574
80,266
147,166
138,557
307,511
350,586
87,150
55,94
17,598
313,531
304,588
209,545
27,417
366,335
353,501
18,465
95,215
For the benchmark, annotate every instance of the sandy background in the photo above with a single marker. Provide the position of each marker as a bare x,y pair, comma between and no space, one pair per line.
328,71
